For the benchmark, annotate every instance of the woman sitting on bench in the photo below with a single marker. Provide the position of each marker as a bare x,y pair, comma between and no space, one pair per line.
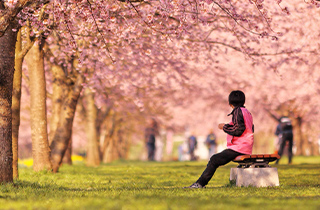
239,138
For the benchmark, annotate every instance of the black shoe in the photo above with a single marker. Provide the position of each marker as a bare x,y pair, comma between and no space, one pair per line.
195,186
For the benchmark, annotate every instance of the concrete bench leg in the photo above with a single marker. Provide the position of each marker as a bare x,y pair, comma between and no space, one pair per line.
256,177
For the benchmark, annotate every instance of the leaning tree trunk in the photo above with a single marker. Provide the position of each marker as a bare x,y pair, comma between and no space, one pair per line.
39,134
7,56
93,149
16,98
67,155
63,132
60,89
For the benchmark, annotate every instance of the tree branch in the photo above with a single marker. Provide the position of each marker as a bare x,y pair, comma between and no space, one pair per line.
9,14
100,32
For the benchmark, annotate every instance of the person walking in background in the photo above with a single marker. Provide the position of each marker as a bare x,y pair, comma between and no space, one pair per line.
239,138
211,143
192,143
285,134
150,138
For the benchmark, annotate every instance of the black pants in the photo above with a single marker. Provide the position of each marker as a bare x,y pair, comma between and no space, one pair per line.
151,147
286,137
215,161
192,156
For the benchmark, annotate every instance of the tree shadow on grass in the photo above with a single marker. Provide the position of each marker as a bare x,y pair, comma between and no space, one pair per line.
5,197
21,184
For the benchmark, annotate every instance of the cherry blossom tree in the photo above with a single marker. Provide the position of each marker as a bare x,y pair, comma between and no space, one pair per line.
152,47
9,26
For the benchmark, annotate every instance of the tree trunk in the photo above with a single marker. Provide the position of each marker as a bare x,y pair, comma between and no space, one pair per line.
108,143
315,147
114,146
60,89
63,132
299,137
67,156
59,92
123,144
16,100
7,57
93,150
39,134
108,152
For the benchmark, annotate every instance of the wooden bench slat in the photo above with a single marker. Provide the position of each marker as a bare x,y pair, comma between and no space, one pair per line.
264,156
270,157
255,160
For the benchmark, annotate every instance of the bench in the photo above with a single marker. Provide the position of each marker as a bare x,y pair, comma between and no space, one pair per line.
255,161
254,170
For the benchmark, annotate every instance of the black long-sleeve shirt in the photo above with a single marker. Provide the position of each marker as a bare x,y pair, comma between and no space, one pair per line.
150,135
238,126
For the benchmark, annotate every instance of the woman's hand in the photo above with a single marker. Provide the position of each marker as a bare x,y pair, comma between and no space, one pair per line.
220,126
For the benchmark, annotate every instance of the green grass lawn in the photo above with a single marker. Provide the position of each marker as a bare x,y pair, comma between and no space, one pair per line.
158,185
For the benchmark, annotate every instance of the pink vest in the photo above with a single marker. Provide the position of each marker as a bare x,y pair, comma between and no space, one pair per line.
243,143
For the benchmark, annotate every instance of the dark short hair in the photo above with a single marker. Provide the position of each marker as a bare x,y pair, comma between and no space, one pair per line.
237,98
